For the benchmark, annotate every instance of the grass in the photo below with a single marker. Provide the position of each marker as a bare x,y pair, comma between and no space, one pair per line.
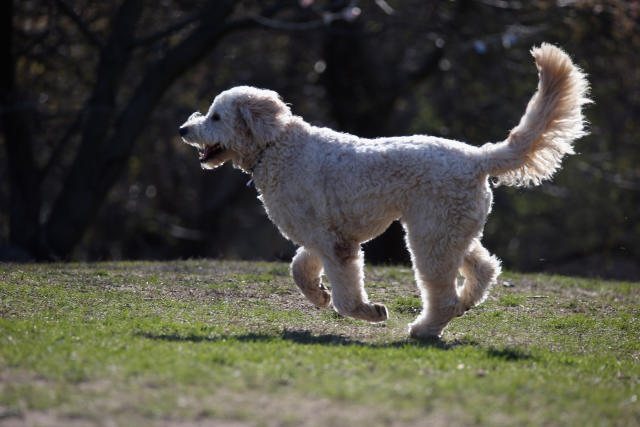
209,342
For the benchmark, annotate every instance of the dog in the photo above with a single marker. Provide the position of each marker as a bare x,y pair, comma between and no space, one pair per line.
329,191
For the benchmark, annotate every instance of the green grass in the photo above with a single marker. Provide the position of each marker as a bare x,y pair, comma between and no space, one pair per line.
511,300
209,342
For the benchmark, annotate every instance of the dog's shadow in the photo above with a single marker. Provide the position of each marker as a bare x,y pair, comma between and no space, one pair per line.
308,338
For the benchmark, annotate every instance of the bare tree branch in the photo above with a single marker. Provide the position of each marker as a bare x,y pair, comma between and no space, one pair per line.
152,38
382,4
502,4
288,26
97,166
347,13
82,26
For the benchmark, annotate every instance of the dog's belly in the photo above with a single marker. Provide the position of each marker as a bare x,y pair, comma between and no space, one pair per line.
310,222
363,225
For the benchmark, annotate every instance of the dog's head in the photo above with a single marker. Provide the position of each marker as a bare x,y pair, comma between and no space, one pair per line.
240,123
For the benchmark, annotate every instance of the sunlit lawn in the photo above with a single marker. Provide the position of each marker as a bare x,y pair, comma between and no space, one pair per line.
234,343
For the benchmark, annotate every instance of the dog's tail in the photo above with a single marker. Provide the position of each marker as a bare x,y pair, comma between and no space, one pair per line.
552,121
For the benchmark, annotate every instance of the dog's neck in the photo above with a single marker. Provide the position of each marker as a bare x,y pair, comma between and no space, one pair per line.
259,158
283,140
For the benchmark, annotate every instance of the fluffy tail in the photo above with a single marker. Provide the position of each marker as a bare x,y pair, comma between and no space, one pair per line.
553,120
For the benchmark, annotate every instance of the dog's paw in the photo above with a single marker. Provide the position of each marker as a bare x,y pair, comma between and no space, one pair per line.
431,326
381,311
320,297
426,333
371,312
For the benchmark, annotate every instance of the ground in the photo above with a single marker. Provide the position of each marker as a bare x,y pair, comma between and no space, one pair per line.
234,343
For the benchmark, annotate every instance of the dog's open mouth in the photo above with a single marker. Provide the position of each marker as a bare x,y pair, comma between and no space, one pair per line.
209,152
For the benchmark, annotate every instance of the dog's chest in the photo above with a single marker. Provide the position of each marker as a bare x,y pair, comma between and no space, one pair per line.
292,210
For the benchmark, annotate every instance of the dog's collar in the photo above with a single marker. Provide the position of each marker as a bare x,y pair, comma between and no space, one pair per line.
250,183
260,156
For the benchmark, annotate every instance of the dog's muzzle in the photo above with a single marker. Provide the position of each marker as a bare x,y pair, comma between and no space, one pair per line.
209,152
184,129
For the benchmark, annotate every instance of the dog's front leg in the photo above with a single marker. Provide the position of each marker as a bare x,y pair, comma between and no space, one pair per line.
305,269
347,286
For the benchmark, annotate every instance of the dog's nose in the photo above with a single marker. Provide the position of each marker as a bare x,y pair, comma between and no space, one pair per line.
183,130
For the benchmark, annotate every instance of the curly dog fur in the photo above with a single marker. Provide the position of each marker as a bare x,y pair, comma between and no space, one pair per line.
329,191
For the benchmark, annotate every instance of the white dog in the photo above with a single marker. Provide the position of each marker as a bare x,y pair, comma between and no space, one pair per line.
329,191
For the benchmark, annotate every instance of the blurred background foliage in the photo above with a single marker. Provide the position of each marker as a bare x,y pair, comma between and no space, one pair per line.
93,92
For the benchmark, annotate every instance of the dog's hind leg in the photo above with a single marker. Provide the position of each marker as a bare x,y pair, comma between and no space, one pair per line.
344,271
440,304
480,270
306,268
436,259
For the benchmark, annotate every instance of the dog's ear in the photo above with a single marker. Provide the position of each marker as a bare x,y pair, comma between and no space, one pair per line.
264,115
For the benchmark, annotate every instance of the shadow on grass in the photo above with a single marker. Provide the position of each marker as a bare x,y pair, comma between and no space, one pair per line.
300,337
308,338
508,354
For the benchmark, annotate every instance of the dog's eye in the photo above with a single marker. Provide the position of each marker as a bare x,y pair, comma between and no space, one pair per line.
215,117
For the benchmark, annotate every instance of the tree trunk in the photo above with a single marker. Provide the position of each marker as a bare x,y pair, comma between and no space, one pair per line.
17,112
97,166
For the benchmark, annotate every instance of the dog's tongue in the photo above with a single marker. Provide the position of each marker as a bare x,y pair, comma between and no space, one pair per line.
207,152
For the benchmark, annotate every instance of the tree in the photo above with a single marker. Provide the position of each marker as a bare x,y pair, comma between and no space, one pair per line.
108,127
108,132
